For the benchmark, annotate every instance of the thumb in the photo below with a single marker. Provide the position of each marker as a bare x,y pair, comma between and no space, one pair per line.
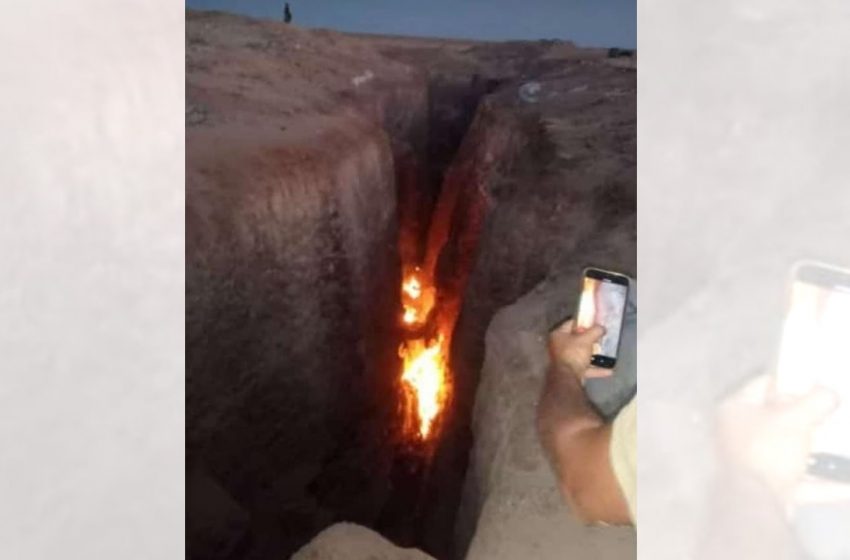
591,335
566,327
814,408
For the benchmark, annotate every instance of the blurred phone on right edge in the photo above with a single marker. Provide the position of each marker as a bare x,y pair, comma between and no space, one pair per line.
814,351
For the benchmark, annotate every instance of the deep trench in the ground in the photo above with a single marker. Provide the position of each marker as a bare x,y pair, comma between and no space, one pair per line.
298,224
293,335
426,477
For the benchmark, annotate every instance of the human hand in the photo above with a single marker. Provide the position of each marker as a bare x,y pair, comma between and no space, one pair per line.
571,349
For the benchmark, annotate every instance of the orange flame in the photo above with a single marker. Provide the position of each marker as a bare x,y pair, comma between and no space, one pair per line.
412,287
425,380
425,364
416,300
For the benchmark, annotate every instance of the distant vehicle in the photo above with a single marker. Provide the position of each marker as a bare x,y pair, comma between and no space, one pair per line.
615,52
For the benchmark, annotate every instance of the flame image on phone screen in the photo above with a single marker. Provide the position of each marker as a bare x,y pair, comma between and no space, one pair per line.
813,351
603,302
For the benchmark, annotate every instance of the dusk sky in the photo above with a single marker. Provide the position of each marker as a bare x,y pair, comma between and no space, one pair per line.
608,23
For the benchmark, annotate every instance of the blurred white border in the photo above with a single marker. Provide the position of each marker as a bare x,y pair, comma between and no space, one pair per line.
91,279
743,132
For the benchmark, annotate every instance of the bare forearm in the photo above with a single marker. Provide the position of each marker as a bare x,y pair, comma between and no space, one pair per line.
573,434
564,407
576,440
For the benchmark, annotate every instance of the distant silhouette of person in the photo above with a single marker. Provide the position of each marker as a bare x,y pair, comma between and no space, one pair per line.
287,14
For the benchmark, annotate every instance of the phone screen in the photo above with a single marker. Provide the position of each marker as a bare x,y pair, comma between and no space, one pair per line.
603,302
813,351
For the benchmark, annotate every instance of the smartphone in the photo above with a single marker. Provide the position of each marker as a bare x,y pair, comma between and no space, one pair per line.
813,351
603,302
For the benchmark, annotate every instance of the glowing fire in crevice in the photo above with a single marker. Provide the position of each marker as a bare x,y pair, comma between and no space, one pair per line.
425,376
425,381
417,298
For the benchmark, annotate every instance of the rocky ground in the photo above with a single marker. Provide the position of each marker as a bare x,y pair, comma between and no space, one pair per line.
316,161
345,541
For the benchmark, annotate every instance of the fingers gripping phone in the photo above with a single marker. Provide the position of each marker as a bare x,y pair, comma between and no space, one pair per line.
603,302
813,352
